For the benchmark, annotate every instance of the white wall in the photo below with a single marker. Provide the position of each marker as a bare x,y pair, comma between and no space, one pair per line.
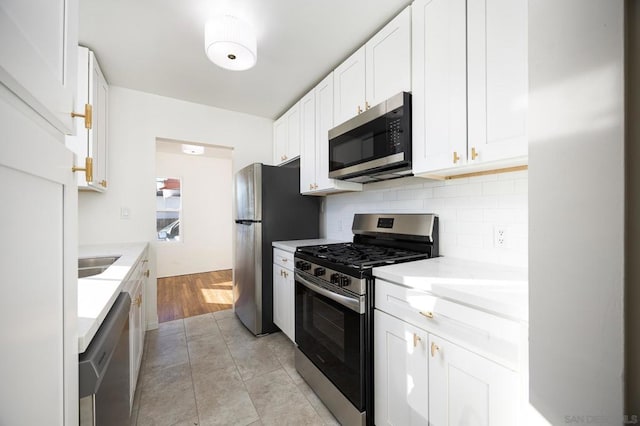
576,209
206,219
469,210
136,119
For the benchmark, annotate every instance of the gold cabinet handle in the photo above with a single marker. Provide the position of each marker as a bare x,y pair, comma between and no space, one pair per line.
88,115
284,259
103,183
366,105
138,301
146,273
427,314
359,110
285,274
474,153
87,169
281,273
416,340
434,348
310,186
456,157
315,186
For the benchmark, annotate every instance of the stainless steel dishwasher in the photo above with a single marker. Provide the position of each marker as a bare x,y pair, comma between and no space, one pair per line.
104,370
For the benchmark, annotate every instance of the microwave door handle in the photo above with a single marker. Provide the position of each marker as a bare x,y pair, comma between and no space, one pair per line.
347,302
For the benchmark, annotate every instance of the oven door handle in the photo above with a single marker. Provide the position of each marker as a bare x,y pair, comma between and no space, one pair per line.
348,302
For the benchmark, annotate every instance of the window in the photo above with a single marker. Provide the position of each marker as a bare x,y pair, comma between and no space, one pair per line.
168,208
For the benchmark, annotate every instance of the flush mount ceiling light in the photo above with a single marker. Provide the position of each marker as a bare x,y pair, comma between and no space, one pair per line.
230,43
192,149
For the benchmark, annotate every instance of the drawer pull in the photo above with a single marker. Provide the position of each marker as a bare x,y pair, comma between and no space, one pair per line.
284,260
416,339
427,314
434,348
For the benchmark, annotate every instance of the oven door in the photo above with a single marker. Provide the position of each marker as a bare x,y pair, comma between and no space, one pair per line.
330,331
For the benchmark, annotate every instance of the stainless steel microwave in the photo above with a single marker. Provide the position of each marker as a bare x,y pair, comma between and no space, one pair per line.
374,145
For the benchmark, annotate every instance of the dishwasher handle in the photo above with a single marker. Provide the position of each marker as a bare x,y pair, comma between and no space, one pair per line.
94,361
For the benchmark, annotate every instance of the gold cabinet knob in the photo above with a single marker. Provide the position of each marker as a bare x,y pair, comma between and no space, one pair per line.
434,348
427,314
474,153
88,116
456,157
416,339
87,169
103,183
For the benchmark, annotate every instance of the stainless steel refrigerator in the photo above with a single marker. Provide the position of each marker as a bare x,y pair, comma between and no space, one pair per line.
269,208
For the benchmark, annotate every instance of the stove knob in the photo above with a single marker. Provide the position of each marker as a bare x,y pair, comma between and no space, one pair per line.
344,281
335,278
306,266
318,272
299,264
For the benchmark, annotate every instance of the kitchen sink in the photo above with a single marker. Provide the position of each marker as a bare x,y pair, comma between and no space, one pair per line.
90,266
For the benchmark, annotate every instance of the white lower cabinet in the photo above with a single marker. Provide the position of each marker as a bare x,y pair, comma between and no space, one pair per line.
422,378
401,372
468,389
136,286
283,292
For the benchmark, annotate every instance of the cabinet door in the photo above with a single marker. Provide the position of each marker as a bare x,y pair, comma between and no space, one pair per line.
308,142
99,99
280,135
290,300
439,84
135,332
388,60
293,132
497,78
39,269
349,87
38,41
278,301
400,371
467,389
324,123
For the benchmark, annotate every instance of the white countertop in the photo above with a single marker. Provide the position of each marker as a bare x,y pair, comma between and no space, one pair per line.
97,293
495,288
292,245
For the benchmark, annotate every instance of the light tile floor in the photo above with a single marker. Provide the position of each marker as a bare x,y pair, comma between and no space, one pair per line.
210,370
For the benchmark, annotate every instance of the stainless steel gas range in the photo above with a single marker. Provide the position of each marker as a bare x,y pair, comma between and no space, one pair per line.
334,306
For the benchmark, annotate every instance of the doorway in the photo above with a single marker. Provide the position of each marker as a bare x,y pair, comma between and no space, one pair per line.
194,228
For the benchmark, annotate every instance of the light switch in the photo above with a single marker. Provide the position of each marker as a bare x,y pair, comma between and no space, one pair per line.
124,213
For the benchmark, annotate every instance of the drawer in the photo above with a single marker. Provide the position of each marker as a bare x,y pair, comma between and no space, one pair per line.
495,337
283,258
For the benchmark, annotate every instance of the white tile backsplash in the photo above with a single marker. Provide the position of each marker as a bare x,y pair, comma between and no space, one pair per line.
470,210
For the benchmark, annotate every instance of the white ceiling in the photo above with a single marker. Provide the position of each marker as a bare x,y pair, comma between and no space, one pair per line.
156,46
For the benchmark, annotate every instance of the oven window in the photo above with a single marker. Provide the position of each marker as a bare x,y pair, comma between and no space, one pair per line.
332,337
328,323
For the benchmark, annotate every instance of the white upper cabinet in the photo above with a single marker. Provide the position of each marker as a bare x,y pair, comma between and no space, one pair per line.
91,142
497,78
349,88
469,85
316,120
308,142
38,57
375,72
388,60
439,84
286,136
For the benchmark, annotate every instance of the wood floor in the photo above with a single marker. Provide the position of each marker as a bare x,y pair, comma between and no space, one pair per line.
186,296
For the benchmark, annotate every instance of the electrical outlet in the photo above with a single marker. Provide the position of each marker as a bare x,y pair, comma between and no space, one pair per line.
500,237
